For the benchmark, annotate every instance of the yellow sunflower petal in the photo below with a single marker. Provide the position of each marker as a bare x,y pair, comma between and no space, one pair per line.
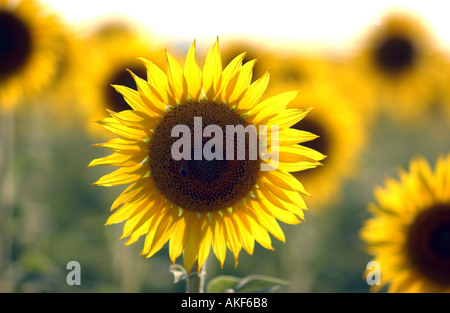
253,227
163,232
134,192
245,238
205,242
118,159
157,79
265,220
253,94
149,95
176,240
212,72
219,243
177,82
193,74
242,84
122,176
125,146
288,118
270,107
230,77
191,240
121,130
133,98
284,180
141,214
231,235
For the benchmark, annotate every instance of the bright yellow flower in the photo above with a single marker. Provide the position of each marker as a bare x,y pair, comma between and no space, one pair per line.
28,50
63,100
409,234
196,204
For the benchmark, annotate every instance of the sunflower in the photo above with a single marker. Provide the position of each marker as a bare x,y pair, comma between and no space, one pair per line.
399,60
28,50
335,119
66,91
409,234
110,29
109,61
442,108
196,204
341,136
347,81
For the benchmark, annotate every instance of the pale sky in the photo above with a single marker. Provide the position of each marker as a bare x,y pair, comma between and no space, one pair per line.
320,22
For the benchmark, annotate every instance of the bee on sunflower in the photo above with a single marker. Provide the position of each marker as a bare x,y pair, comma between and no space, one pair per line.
196,204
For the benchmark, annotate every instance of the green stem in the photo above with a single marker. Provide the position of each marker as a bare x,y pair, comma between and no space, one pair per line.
195,282
7,193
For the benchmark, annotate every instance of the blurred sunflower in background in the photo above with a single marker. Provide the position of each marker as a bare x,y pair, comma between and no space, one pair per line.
64,99
109,29
335,120
409,234
400,61
341,136
443,107
255,50
347,82
196,204
297,68
110,60
28,50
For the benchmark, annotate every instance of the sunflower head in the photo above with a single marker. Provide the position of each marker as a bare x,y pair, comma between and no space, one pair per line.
400,62
15,42
409,234
399,44
219,193
28,49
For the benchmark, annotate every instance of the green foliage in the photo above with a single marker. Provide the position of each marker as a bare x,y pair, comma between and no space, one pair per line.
249,284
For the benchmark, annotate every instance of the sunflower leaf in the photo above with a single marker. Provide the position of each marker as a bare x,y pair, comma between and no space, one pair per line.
179,273
253,284
257,283
223,283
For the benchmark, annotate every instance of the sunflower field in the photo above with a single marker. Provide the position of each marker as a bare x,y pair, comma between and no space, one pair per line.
358,200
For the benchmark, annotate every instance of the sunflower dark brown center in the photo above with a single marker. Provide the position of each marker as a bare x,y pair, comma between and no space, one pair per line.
201,185
395,54
122,77
428,243
15,43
